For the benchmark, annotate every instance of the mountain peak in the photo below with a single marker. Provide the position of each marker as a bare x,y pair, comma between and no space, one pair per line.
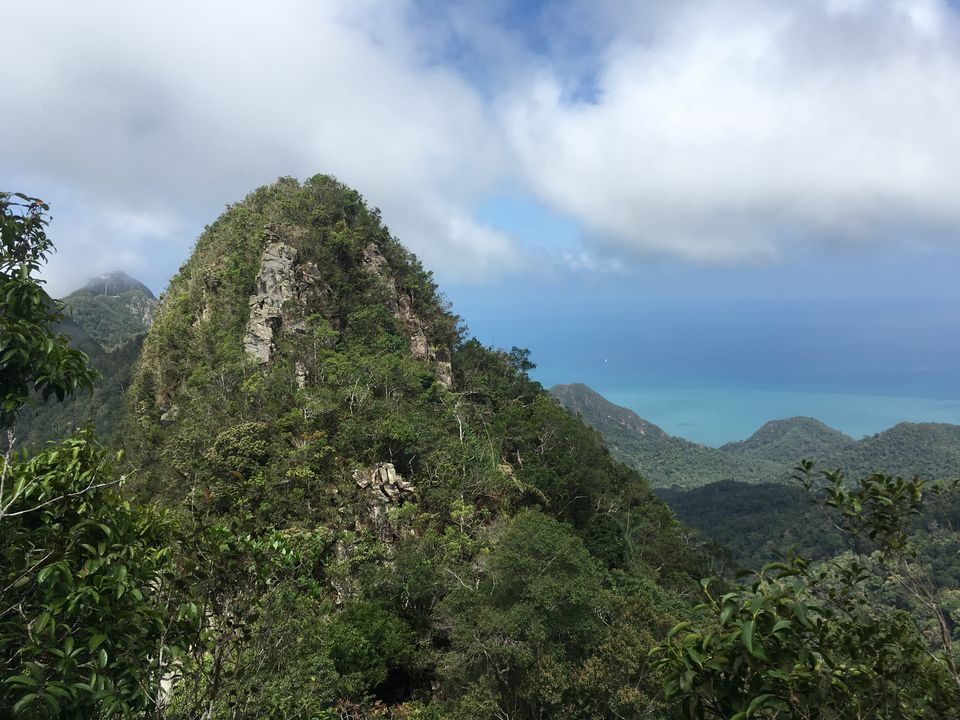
596,409
112,284
790,439
293,271
112,308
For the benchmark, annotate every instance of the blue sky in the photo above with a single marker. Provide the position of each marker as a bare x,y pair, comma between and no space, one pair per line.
753,195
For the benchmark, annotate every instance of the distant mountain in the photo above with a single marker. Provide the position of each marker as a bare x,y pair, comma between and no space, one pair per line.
80,338
663,459
786,441
113,284
107,319
112,309
931,450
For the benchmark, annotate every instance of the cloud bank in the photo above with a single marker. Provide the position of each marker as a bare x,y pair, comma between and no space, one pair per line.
741,129
734,132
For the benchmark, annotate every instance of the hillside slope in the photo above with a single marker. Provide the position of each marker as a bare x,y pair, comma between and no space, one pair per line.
388,517
663,459
931,450
787,441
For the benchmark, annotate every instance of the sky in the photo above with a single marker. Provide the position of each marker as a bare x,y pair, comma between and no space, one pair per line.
727,195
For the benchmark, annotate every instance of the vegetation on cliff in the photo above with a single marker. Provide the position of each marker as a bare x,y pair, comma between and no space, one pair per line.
341,506
388,516
931,450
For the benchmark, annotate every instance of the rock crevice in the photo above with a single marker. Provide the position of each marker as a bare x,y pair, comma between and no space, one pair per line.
400,306
283,289
385,488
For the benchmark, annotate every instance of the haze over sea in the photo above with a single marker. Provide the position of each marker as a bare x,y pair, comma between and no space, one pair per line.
714,372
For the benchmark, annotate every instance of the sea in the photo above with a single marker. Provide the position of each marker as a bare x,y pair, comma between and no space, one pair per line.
716,372
714,416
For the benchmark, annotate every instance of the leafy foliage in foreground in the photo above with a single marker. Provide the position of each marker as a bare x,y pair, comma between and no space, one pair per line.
89,619
33,358
88,623
101,409
810,641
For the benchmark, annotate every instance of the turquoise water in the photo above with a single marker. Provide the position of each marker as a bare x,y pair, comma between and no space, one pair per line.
716,416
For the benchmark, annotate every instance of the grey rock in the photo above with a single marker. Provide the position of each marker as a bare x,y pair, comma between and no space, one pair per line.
170,416
401,307
283,289
385,487
274,288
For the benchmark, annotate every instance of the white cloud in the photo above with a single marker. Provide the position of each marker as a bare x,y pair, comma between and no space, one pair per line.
742,128
717,131
170,110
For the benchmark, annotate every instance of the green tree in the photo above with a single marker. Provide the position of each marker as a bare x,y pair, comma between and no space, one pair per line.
32,356
805,641
88,622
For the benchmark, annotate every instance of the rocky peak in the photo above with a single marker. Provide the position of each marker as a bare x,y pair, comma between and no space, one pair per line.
112,308
401,306
282,288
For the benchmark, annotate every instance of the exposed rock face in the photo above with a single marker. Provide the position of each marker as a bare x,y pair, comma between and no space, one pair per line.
283,288
444,368
385,488
400,305
274,288
286,286
375,265
144,308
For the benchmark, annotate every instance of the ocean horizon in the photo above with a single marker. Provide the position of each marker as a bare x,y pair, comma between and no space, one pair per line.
715,416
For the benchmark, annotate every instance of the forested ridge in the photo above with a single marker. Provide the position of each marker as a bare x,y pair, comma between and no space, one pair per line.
931,450
321,498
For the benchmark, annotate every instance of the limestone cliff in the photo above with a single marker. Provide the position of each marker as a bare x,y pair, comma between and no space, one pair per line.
292,271
284,291
400,306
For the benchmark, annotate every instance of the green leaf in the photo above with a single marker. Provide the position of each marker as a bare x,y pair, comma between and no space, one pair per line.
781,625
22,680
757,703
44,572
677,628
25,702
747,635
727,611
694,655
